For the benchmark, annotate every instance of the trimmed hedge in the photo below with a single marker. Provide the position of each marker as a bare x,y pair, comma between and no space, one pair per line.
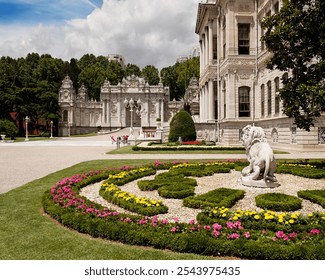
278,202
134,230
216,198
182,125
132,206
64,204
315,196
177,191
186,148
312,171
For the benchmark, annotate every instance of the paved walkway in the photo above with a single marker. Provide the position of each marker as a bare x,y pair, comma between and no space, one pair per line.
23,162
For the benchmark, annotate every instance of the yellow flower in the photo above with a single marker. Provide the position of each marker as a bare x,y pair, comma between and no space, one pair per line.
256,217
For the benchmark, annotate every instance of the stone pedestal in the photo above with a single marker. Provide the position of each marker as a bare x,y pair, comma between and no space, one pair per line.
258,183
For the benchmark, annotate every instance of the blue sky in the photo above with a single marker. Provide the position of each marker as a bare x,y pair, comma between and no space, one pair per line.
145,32
44,11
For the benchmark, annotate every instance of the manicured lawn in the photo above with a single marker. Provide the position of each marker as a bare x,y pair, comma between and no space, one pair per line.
26,233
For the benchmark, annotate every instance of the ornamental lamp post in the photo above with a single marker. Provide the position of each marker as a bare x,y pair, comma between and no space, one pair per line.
27,119
131,104
51,129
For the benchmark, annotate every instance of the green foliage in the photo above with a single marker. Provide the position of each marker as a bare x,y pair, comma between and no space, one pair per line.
132,69
8,128
305,239
132,206
176,191
216,198
182,125
302,170
178,76
151,74
295,36
278,202
315,196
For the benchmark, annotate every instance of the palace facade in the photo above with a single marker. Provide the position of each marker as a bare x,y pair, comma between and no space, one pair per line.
130,104
236,88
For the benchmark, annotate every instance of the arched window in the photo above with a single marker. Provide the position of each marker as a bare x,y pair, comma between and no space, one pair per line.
65,116
244,102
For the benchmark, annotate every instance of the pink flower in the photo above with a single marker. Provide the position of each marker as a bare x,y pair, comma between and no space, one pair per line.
315,231
263,232
216,233
247,234
216,226
280,234
164,221
207,227
233,236
176,220
174,229
292,235
191,222
230,225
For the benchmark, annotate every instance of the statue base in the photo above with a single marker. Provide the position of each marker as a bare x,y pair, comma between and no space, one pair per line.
258,183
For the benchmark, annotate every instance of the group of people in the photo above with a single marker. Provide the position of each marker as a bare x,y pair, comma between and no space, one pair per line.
120,139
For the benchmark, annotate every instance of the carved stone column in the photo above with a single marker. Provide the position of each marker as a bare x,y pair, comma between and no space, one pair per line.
210,46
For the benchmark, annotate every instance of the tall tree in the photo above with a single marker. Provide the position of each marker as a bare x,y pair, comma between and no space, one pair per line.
169,78
178,76
132,69
296,38
151,74
93,78
185,71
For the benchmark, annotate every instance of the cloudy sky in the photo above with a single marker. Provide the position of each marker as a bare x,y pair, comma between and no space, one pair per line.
144,31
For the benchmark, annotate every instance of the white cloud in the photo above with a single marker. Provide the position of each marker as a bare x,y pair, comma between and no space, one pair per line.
144,31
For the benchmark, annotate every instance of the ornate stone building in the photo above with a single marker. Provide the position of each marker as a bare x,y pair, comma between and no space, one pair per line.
132,103
236,89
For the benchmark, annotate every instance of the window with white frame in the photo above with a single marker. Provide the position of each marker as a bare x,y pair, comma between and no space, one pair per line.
243,38
244,102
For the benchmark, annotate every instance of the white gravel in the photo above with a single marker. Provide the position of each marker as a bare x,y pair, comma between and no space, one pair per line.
289,184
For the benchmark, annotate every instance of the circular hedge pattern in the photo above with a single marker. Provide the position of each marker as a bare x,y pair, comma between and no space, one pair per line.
241,233
278,202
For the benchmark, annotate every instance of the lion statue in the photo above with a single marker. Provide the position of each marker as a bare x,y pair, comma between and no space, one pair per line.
259,154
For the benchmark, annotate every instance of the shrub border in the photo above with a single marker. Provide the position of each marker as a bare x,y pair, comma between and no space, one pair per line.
97,221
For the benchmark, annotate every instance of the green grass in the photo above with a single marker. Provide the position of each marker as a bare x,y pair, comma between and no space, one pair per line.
26,233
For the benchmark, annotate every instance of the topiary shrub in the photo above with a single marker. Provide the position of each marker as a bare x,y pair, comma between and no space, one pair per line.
182,125
177,191
278,202
216,198
8,127
316,196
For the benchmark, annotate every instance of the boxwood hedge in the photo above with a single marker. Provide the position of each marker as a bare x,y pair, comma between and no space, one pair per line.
278,202
219,197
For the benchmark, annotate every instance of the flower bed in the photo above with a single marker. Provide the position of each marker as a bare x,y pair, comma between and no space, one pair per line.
217,231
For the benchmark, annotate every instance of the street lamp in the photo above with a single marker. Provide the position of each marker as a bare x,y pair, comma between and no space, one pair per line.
51,129
131,104
27,119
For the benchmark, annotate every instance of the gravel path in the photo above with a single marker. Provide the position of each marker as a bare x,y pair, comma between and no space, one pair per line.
289,184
